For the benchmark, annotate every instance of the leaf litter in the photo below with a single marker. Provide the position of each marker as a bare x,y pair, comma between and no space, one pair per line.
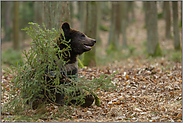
146,93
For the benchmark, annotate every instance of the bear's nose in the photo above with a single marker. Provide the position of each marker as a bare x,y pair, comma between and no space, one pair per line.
94,40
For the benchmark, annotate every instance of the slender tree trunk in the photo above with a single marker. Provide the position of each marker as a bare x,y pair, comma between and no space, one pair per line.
82,18
124,22
38,11
99,20
65,15
91,31
153,47
82,15
176,36
132,9
47,14
55,13
71,12
16,42
115,27
144,6
167,19
181,14
105,8
7,20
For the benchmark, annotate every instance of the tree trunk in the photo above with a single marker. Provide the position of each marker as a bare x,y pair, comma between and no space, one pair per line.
176,36
124,22
144,7
91,31
115,27
6,13
38,11
106,8
65,15
71,12
16,42
82,15
181,14
167,19
99,20
55,13
153,47
132,6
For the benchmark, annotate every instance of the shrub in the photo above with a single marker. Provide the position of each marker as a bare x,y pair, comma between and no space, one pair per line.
29,75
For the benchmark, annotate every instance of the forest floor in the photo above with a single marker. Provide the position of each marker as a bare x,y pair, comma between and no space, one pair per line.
149,89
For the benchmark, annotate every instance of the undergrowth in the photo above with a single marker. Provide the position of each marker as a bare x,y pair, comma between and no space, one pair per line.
11,56
39,62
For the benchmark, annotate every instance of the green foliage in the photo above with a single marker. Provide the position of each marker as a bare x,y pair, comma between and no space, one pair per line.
158,51
80,64
112,48
176,56
111,56
180,24
178,48
89,58
7,36
11,57
29,74
103,28
131,49
160,15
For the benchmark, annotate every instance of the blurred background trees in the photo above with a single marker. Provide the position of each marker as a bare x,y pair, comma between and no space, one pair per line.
89,58
176,37
7,21
16,41
116,25
153,47
167,19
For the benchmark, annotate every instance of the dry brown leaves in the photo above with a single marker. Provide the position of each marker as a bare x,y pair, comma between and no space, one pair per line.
146,93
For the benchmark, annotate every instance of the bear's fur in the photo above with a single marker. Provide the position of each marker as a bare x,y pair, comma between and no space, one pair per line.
79,43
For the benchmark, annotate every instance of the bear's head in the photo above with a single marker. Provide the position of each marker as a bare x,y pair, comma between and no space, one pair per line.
79,43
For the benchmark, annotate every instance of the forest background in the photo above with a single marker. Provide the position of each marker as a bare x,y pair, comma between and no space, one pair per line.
131,37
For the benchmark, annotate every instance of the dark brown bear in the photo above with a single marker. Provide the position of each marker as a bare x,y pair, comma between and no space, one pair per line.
79,43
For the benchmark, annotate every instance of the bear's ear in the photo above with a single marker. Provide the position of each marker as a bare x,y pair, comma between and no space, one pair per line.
66,27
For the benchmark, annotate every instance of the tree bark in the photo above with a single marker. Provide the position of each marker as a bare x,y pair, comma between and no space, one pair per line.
55,13
16,42
99,21
176,36
91,29
65,15
144,7
38,11
167,19
6,13
71,12
115,27
82,15
153,47
181,14
124,22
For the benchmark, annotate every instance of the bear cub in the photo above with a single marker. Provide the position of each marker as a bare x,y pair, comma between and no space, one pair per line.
79,43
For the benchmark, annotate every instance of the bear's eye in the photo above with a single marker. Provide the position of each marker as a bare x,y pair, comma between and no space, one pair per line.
82,36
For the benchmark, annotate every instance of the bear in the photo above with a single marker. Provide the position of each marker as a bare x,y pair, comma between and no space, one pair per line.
79,43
